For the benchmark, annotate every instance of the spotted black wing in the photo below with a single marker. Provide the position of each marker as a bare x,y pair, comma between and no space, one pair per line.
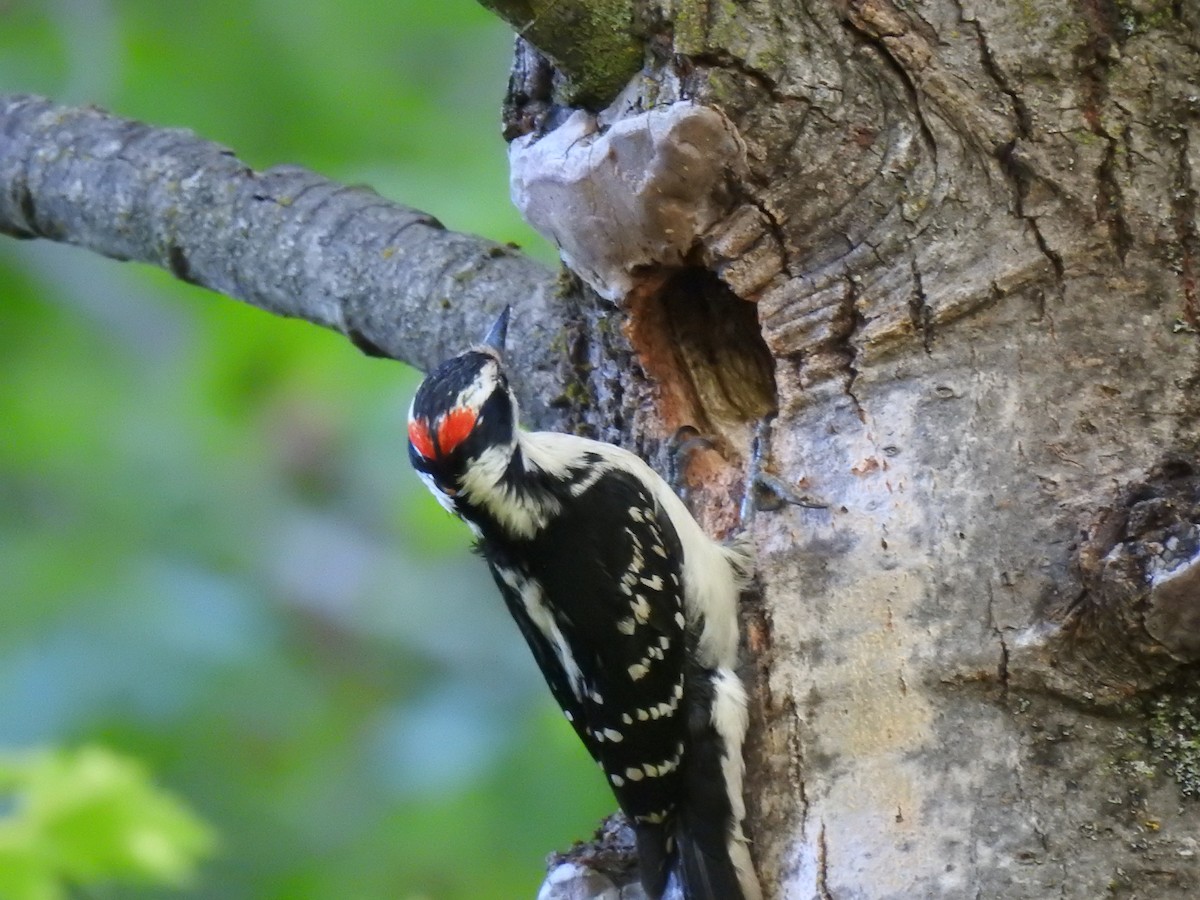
610,570
517,586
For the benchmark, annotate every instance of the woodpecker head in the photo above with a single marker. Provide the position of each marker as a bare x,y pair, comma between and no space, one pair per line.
463,409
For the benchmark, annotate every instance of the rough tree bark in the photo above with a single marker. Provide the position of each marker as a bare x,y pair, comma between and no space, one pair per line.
968,232
953,245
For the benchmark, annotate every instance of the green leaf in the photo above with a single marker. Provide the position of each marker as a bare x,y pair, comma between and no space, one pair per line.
90,816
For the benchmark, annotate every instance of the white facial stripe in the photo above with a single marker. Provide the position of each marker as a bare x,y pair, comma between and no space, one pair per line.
441,497
518,513
474,394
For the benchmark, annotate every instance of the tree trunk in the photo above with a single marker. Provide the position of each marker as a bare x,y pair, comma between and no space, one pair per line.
955,246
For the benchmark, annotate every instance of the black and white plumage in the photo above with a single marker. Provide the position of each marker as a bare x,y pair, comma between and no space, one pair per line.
628,607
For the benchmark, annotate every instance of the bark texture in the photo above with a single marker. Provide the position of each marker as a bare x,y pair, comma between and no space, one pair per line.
959,256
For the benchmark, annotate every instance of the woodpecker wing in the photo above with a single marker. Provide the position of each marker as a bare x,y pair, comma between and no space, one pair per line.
624,609
519,591
611,641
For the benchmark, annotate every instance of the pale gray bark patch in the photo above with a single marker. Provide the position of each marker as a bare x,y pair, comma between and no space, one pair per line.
603,869
390,278
627,193
569,881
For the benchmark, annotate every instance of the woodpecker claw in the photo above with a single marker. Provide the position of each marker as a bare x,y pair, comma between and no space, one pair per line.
686,441
772,493
766,492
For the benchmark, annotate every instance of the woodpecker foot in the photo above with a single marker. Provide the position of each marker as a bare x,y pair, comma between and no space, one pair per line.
766,492
686,441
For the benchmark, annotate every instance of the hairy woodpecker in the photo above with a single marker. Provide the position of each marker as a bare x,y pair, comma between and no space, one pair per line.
628,606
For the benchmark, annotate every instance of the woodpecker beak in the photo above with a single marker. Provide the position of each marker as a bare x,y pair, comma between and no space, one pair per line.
497,334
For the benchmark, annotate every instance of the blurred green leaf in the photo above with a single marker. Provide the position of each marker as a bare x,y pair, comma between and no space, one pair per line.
213,554
89,816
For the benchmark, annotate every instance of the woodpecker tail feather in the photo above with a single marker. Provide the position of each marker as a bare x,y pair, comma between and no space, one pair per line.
654,858
697,865
713,859
706,870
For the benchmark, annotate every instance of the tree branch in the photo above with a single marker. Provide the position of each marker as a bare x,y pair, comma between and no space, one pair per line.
390,278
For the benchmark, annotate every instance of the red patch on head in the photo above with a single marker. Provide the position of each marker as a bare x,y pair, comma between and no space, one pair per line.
418,436
454,428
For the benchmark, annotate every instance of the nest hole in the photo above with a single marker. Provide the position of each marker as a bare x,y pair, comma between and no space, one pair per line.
703,346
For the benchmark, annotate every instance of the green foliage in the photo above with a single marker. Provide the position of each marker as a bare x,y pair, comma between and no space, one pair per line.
213,555
88,817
